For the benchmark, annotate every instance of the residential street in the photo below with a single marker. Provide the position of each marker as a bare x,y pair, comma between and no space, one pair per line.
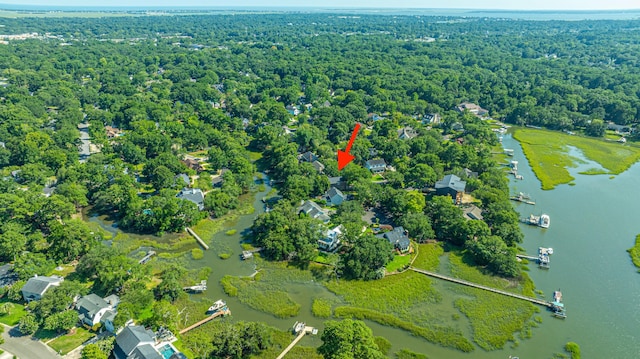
25,347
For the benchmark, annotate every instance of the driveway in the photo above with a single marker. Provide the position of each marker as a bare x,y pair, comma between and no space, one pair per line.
24,347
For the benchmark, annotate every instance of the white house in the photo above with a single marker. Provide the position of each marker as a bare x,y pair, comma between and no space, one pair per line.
331,239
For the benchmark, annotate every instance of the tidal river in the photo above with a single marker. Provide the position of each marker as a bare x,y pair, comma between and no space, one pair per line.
592,224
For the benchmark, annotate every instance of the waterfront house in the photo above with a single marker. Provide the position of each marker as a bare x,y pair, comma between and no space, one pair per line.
194,195
376,166
313,210
35,287
93,310
334,196
472,108
135,341
451,185
331,239
398,237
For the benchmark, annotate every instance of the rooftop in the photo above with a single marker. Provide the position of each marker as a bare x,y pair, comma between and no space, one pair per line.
451,181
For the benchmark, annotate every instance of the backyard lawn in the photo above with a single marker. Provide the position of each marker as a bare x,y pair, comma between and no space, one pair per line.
398,262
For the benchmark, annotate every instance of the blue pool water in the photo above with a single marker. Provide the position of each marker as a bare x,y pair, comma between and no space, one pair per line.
167,351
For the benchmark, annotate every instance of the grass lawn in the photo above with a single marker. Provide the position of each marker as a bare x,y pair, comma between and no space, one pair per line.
16,313
68,342
377,177
634,252
548,157
398,262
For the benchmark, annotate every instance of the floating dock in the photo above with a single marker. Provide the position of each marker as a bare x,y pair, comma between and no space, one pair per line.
524,198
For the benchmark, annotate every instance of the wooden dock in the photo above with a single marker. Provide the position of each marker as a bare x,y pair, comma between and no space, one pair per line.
197,237
221,313
489,289
527,257
295,341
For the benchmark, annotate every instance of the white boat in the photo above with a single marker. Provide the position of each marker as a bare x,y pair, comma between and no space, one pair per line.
545,221
217,306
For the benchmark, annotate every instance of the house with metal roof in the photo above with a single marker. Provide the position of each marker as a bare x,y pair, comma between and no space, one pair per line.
308,157
194,195
451,185
398,237
35,287
135,342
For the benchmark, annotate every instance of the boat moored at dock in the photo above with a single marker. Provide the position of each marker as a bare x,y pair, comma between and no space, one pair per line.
542,220
218,305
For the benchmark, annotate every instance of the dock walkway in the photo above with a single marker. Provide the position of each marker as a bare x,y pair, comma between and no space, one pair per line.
527,257
223,313
474,285
295,341
197,237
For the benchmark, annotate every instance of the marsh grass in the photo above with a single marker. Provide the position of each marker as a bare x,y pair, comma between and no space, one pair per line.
428,256
321,308
547,154
408,354
266,292
634,252
444,336
197,253
494,318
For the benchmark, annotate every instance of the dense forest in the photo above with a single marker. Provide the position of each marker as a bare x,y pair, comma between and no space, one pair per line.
157,95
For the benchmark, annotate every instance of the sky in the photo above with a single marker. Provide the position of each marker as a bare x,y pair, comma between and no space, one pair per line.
450,4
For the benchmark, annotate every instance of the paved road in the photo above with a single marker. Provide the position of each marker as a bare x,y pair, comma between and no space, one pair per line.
24,347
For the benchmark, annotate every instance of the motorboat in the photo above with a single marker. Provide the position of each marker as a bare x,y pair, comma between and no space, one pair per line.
545,221
217,306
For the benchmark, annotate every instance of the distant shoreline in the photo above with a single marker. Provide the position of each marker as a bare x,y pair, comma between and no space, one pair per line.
535,15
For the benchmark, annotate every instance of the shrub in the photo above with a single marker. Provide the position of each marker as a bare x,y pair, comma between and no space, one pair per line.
383,344
231,232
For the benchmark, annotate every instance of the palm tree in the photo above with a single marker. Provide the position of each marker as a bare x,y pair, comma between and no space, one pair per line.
6,308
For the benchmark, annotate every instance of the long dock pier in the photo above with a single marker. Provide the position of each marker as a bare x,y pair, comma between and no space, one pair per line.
489,289
527,257
197,237
295,341
220,313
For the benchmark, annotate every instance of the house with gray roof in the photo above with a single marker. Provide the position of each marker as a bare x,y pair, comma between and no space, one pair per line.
451,185
136,342
35,287
93,310
308,157
335,197
407,133
398,237
318,166
313,210
376,166
194,195
338,183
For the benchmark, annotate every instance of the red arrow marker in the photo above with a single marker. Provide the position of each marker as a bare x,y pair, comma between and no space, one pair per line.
344,157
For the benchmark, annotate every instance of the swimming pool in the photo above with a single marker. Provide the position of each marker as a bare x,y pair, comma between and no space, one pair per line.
167,351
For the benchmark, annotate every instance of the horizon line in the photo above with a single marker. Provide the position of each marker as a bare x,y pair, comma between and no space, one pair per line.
200,7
